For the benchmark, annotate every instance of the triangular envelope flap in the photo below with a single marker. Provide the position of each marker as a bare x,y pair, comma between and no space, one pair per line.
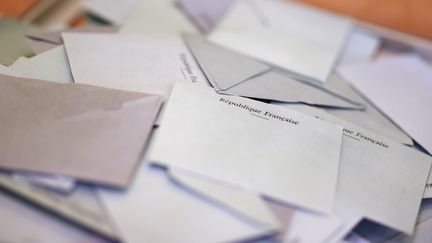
247,204
61,100
278,87
223,68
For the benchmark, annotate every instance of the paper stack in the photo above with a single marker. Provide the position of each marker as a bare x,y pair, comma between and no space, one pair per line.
201,121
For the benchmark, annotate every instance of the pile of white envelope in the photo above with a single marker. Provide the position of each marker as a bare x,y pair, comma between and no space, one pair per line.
215,121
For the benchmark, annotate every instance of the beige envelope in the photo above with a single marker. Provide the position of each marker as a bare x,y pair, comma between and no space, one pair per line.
90,133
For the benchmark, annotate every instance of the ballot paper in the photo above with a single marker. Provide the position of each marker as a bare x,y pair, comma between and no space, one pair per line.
233,73
227,138
81,207
51,65
12,40
157,16
21,222
154,204
80,131
205,13
307,47
376,172
149,64
401,88
369,118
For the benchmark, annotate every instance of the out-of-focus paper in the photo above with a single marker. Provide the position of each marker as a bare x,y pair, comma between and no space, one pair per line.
297,38
157,16
205,13
80,131
401,87
112,11
22,222
81,206
12,38
360,47
51,65
154,203
228,138
150,64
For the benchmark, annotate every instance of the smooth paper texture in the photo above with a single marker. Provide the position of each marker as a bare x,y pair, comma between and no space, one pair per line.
205,13
233,73
401,88
154,204
370,118
51,65
156,17
23,222
376,172
74,130
308,47
149,64
81,207
232,126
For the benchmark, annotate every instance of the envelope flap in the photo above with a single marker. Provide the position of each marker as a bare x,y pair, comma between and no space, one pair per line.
54,101
247,204
223,68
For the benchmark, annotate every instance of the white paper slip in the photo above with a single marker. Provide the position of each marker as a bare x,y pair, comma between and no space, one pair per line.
401,87
264,29
149,64
280,153
376,172
156,209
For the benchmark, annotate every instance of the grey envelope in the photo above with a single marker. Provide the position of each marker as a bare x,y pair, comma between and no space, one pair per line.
235,74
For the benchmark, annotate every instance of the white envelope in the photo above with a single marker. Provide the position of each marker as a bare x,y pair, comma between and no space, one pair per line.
228,139
376,172
301,39
401,88
149,64
370,118
158,209
233,73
